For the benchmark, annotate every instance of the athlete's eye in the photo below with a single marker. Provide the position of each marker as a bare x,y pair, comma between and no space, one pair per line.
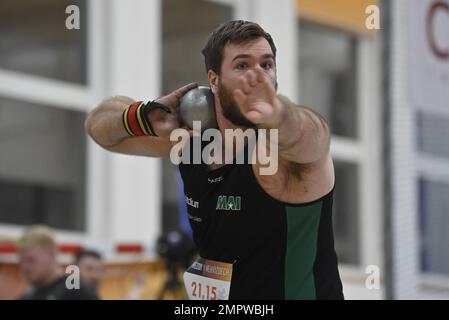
242,66
267,65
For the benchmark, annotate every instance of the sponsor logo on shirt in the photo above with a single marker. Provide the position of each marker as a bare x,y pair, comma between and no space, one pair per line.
196,219
218,179
229,203
192,203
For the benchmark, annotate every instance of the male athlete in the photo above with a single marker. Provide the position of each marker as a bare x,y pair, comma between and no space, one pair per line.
259,236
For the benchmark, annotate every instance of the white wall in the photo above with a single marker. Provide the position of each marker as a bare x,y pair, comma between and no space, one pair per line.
408,82
133,190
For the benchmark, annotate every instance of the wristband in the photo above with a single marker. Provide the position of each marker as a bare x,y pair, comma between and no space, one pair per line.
135,118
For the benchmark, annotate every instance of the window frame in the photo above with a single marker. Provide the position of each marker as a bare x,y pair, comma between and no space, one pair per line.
435,169
365,152
70,96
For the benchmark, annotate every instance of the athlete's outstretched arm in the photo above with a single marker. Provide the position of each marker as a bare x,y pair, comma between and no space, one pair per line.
105,125
304,136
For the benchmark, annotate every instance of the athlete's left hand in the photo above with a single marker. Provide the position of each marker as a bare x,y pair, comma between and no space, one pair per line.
257,99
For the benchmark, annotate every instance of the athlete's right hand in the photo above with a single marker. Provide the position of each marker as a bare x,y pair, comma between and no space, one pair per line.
163,122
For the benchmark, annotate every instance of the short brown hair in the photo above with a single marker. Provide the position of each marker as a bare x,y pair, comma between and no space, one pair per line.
86,253
237,31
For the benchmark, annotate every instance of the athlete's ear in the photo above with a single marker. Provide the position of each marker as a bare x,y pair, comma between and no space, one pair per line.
213,80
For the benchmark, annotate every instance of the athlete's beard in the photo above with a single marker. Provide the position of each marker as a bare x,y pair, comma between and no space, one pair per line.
230,108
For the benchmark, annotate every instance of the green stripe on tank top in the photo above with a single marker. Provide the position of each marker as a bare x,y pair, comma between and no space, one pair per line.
302,236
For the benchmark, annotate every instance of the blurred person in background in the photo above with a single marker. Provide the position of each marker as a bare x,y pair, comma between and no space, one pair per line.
38,264
91,266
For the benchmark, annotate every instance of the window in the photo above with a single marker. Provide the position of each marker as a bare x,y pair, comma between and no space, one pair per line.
183,38
433,204
42,165
433,187
34,39
328,62
328,76
345,217
433,131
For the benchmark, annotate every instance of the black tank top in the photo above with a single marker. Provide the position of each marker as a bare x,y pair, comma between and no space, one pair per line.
278,250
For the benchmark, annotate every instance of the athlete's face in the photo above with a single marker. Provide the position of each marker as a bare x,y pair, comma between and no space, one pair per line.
238,59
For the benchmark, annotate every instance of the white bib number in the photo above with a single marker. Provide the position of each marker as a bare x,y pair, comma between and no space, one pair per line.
208,280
